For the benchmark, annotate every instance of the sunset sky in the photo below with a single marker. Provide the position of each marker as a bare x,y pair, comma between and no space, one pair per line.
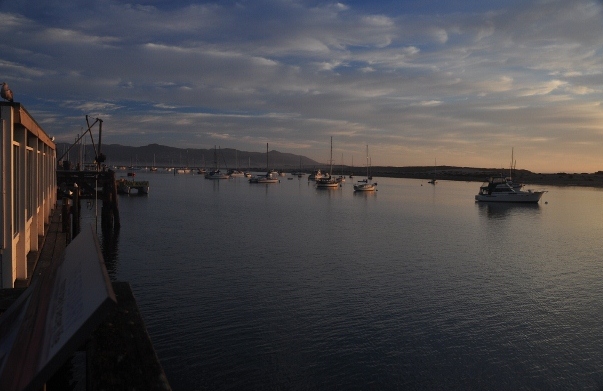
463,82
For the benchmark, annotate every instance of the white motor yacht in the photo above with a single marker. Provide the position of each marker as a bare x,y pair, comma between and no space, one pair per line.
499,190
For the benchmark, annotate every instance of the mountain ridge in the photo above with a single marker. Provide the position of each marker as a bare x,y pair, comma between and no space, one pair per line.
165,156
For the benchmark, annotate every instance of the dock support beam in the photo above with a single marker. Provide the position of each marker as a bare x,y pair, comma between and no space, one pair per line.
110,210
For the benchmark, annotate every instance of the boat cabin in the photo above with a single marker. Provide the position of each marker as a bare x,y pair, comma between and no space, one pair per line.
495,185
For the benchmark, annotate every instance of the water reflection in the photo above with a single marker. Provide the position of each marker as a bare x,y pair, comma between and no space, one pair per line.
365,194
422,288
110,250
498,210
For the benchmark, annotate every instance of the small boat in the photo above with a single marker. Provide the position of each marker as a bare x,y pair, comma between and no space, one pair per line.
216,173
154,166
365,185
236,173
341,178
433,181
327,181
270,177
248,172
299,173
498,190
125,186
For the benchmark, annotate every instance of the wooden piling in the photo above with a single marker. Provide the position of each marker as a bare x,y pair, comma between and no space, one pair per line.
76,209
110,209
114,197
65,216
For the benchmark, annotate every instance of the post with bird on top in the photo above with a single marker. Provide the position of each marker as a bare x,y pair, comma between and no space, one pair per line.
6,92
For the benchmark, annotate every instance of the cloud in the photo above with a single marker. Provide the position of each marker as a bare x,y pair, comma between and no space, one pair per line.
461,80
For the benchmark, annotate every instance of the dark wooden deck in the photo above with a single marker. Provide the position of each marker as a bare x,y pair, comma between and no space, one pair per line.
119,353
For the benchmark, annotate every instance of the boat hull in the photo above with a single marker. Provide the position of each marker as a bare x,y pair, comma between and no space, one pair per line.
516,197
216,175
222,176
266,180
327,185
364,187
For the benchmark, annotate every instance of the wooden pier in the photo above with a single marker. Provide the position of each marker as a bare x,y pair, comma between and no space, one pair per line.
92,185
119,354
56,300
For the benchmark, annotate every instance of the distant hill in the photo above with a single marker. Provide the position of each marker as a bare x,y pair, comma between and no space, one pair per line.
120,155
164,156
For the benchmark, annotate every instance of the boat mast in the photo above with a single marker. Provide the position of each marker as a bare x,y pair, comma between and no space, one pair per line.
331,161
511,167
367,162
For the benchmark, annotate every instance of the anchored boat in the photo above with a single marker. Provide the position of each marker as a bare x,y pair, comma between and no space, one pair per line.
365,185
270,176
328,182
499,190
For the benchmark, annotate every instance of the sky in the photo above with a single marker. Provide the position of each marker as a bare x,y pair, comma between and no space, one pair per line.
460,83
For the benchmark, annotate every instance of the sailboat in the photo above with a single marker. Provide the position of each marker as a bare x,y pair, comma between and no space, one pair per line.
216,173
365,185
269,177
328,182
154,167
235,172
341,178
351,173
248,172
299,173
201,170
433,181
509,179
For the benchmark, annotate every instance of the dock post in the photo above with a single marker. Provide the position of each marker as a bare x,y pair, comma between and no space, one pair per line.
114,204
75,211
106,216
110,211
65,215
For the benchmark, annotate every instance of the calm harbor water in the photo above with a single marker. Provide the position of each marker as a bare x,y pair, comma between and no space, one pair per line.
284,286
